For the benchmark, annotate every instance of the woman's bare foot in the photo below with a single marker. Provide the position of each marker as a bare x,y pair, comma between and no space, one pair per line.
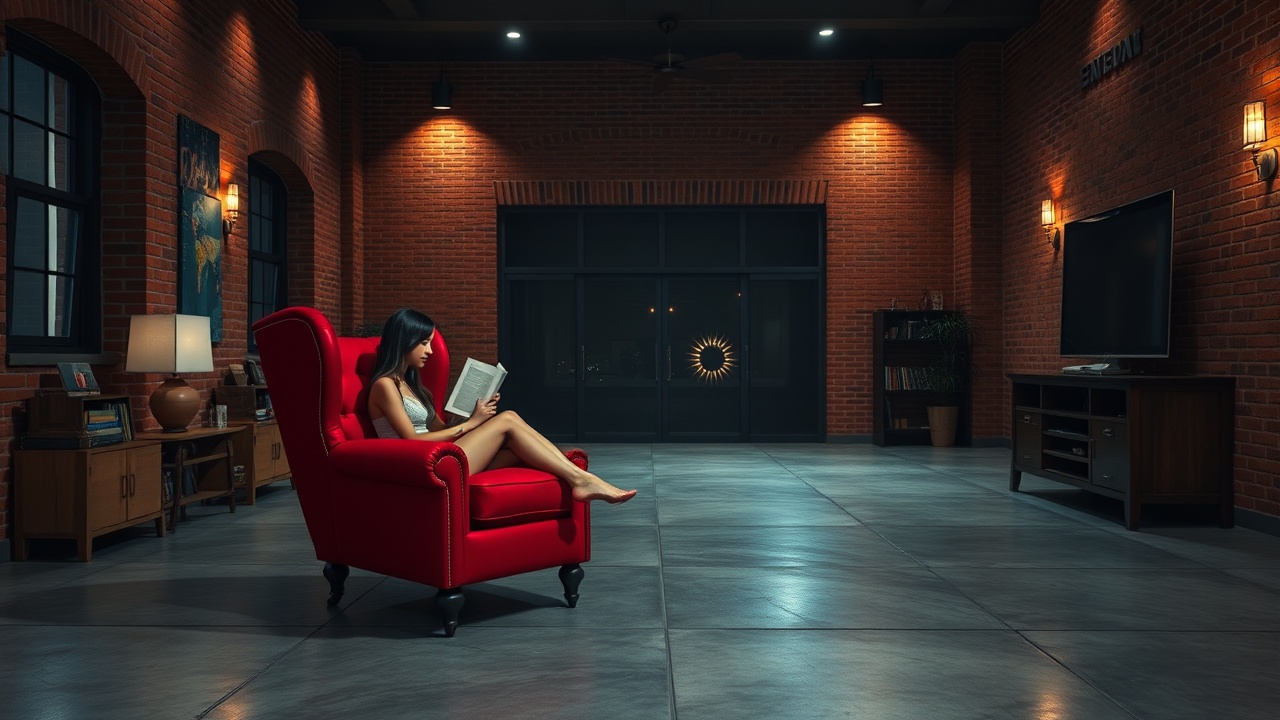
593,488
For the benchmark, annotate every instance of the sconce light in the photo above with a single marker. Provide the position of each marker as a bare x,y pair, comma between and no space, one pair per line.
230,209
872,88
1049,219
442,93
1255,133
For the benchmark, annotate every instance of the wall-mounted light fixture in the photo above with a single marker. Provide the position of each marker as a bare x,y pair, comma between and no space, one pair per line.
872,88
230,209
1049,219
1255,133
442,93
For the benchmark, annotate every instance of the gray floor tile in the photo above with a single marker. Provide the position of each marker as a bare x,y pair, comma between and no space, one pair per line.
817,597
720,674
1119,599
482,674
1176,675
721,546
1021,547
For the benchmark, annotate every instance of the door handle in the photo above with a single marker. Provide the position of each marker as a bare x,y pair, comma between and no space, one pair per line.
668,362
133,484
124,486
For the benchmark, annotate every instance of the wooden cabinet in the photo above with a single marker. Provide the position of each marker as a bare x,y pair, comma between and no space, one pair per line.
262,455
1141,439
81,494
260,450
900,361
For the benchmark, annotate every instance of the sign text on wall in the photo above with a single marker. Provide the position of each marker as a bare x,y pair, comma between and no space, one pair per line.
1115,56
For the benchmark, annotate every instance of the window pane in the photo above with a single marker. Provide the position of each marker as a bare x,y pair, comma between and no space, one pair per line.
702,239
620,239
30,235
67,235
546,239
4,145
4,82
60,172
783,239
28,89
28,312
29,152
60,104
63,309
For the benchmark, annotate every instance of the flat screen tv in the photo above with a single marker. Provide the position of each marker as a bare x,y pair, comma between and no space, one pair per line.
1117,268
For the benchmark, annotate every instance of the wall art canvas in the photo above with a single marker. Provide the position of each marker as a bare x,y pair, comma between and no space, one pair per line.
199,225
200,280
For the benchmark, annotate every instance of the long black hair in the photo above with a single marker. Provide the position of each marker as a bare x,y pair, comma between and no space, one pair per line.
404,329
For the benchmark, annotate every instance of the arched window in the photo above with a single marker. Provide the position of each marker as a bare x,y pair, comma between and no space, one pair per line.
268,203
49,149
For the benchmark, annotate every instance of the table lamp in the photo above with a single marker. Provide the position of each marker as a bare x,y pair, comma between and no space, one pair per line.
171,344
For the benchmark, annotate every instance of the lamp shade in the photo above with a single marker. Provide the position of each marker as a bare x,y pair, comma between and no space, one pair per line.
442,94
169,344
872,92
232,202
1046,212
1255,124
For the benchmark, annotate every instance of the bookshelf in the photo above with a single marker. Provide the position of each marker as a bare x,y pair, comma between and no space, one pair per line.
900,395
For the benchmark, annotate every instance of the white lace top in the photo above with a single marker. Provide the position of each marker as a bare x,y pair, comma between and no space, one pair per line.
420,415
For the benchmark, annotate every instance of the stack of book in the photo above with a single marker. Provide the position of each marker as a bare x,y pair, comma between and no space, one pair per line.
104,424
64,421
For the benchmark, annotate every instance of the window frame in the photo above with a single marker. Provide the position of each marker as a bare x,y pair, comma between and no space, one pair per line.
84,342
278,222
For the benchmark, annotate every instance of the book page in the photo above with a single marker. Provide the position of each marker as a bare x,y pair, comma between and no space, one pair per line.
478,380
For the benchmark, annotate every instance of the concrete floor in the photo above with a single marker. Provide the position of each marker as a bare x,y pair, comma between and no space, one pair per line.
745,581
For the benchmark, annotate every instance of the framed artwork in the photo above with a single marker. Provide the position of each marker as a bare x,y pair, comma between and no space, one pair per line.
78,379
199,225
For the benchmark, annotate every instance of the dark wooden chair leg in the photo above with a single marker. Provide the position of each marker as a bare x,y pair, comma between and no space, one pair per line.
449,601
337,577
571,577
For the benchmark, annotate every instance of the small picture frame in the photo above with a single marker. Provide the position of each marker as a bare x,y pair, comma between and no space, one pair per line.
78,379
254,371
936,302
236,375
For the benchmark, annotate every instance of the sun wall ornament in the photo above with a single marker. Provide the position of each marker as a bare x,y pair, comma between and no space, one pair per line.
712,358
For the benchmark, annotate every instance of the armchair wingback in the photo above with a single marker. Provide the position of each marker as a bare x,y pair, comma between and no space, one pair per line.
410,509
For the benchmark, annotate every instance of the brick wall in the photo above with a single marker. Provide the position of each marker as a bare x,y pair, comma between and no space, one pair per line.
241,68
430,211
1169,118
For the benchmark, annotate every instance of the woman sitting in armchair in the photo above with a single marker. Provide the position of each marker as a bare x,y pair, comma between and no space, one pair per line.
400,406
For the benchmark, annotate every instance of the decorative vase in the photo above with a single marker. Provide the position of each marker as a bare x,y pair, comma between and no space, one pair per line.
942,424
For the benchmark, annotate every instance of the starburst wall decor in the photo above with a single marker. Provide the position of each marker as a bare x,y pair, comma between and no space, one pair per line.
712,358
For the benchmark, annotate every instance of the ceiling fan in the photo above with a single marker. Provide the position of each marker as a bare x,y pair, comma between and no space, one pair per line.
668,66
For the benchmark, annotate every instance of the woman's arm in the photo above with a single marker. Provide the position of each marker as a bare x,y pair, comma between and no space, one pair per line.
384,401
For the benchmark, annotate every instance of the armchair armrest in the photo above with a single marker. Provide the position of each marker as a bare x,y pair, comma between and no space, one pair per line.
402,462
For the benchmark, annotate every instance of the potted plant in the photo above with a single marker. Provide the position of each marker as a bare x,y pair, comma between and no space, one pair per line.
948,377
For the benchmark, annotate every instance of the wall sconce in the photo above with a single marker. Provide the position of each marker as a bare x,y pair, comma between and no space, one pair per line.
230,209
872,88
442,93
1049,219
1255,133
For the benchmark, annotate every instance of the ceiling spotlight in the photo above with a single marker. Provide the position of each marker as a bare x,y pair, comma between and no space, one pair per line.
513,34
442,92
872,88
826,32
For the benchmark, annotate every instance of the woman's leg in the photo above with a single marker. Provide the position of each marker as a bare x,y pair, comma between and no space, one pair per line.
507,431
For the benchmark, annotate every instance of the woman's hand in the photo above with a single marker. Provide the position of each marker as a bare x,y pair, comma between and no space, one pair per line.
485,409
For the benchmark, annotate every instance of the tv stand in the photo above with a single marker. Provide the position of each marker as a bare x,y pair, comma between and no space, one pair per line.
1137,438
1108,366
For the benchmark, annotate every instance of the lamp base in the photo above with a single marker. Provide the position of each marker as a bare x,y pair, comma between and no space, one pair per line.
1266,162
174,404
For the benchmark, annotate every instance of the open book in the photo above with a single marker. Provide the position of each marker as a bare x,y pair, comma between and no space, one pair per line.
478,381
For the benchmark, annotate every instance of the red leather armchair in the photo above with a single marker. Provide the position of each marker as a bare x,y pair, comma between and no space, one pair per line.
405,508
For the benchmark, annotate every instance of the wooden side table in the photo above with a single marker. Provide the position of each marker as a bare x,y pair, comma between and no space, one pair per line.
210,454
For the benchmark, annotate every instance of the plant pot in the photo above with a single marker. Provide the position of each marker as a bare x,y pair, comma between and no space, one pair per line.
942,424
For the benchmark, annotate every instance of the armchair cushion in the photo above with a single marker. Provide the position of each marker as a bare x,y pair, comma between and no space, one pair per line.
517,495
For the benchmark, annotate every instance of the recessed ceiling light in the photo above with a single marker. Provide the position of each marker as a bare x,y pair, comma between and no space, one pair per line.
513,34
825,32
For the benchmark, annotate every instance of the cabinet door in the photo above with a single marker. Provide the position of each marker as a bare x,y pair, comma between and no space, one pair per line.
265,438
108,489
1111,454
144,481
1027,436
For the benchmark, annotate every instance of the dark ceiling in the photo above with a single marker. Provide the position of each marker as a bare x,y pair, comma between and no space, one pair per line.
475,30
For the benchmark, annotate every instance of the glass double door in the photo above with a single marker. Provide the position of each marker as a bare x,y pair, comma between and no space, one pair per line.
650,358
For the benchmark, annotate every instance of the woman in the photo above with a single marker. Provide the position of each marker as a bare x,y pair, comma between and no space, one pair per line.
400,407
